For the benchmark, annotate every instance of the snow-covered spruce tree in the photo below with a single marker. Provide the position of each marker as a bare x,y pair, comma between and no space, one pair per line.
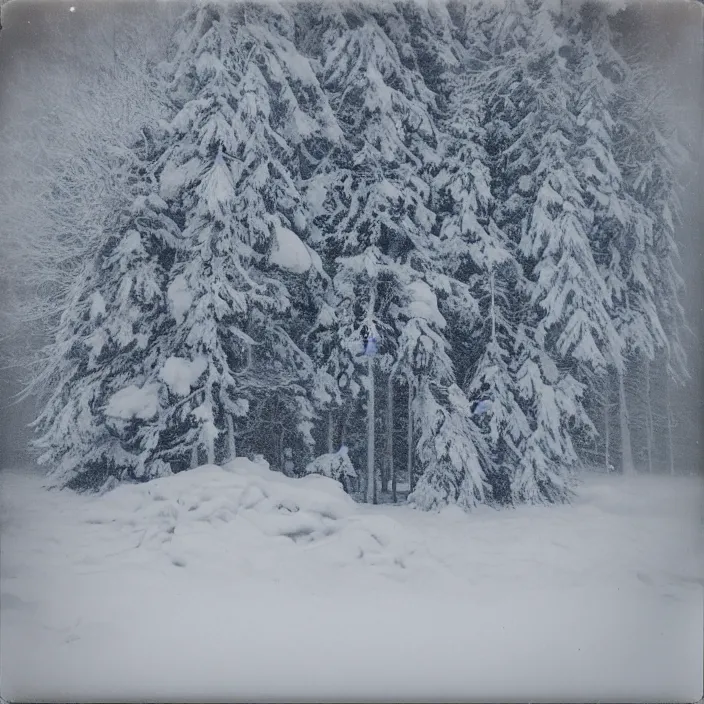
491,378
335,465
552,401
304,118
422,36
475,251
622,147
449,448
659,189
460,191
599,450
621,229
102,418
227,175
593,80
376,226
565,284
363,226
540,210
301,115
649,154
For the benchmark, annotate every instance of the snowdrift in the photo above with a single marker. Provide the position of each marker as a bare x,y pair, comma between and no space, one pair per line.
244,509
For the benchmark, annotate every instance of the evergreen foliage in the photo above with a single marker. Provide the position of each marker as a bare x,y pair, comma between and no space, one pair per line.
466,207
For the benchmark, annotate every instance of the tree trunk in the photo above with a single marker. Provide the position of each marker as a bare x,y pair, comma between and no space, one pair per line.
345,411
626,451
648,417
231,438
331,431
607,428
371,478
409,437
390,474
280,450
344,418
493,312
210,447
194,456
670,447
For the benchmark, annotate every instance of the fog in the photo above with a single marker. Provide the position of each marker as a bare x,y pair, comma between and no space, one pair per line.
40,40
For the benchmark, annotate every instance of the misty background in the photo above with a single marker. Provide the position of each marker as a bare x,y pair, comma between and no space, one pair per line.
39,41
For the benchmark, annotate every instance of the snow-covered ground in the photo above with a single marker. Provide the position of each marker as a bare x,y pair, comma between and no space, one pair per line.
241,584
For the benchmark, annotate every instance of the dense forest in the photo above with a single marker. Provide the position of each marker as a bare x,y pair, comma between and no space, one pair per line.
426,249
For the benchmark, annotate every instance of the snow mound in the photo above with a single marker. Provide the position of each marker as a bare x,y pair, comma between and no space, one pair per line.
246,508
